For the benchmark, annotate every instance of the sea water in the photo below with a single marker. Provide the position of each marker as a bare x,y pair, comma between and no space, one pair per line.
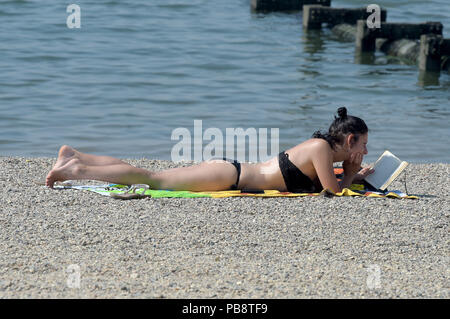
137,70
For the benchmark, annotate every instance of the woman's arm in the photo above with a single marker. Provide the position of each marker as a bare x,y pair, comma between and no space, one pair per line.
363,173
323,164
351,167
346,181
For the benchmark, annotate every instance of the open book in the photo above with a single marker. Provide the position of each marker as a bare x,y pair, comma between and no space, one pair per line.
387,168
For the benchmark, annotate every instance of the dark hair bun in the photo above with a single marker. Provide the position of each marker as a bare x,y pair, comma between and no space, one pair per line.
341,126
342,112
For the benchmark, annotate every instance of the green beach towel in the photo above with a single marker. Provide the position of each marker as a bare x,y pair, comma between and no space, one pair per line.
141,191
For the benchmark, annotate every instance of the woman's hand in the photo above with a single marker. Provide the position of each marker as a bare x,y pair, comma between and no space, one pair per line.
363,173
353,164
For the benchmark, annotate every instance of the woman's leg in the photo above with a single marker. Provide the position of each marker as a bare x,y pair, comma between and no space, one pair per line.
67,153
206,176
215,175
115,173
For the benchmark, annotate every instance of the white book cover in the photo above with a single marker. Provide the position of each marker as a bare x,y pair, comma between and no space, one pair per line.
387,168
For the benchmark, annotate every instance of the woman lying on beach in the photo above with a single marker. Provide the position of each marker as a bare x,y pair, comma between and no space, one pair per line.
307,167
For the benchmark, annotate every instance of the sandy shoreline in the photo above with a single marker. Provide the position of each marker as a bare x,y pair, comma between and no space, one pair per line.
315,247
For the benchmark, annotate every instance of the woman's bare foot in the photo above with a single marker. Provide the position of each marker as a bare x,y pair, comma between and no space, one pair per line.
65,154
70,170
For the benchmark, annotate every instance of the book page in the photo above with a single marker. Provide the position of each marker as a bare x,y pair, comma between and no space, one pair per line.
384,167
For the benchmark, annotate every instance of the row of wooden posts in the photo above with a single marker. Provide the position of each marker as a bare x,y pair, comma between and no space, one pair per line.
432,52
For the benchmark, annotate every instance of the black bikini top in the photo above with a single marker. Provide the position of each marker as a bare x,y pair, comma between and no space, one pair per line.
295,180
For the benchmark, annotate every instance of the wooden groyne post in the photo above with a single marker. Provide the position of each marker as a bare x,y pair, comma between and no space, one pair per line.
432,49
284,5
431,53
366,37
315,15
398,39
432,45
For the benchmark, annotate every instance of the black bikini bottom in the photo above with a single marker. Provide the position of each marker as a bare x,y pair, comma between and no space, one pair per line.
295,180
238,168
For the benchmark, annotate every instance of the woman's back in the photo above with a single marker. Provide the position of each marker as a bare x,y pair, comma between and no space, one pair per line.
268,175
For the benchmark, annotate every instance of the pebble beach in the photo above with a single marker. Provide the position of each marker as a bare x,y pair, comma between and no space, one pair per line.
78,244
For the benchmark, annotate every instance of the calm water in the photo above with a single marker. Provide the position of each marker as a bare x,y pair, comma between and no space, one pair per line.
138,69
